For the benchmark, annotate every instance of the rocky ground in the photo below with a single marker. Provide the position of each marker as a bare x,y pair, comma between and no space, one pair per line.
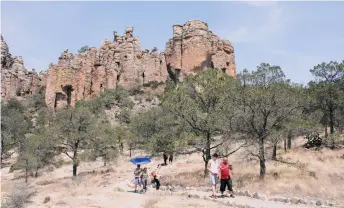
184,186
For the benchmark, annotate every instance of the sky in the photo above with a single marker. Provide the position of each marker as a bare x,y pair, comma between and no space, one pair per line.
294,35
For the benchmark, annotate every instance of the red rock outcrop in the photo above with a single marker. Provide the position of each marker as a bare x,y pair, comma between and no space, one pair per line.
16,80
122,62
117,62
194,48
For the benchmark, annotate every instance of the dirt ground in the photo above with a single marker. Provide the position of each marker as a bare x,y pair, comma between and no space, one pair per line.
321,176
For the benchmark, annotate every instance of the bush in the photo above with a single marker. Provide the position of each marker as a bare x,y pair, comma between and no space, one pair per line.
19,196
83,49
136,91
153,84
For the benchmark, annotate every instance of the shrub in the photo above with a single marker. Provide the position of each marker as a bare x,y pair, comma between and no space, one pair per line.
153,84
19,196
83,49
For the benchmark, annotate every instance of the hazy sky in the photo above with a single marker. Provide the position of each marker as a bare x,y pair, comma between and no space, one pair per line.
294,35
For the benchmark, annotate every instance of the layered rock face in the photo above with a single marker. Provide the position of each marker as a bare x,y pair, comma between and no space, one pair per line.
122,62
117,62
16,80
194,48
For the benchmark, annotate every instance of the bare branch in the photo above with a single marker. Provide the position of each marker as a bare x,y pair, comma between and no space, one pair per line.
295,165
233,151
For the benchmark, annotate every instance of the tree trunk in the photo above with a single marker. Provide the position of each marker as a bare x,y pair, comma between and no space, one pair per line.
75,159
290,136
326,132
121,147
274,151
262,159
207,156
331,125
285,145
2,149
26,171
129,150
75,168
104,158
36,173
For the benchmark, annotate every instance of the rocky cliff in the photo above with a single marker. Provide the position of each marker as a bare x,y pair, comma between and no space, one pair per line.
117,62
120,61
16,80
194,48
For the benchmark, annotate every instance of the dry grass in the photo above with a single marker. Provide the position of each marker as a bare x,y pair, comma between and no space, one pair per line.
187,179
18,197
150,203
44,182
317,178
318,174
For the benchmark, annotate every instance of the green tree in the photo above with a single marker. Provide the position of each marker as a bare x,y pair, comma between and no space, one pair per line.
37,152
75,131
158,131
327,89
83,49
106,143
265,101
14,126
202,104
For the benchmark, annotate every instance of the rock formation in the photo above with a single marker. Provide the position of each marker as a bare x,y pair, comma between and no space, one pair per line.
16,80
194,48
117,62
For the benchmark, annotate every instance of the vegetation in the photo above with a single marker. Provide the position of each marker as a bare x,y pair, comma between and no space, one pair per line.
83,49
206,113
19,197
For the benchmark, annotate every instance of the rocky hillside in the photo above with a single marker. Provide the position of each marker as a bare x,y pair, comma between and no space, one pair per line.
16,80
121,61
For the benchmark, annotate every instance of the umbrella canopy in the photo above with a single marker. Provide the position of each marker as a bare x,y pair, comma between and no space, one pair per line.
140,160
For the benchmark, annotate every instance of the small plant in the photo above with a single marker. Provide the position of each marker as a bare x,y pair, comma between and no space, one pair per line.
19,196
313,140
135,91
83,49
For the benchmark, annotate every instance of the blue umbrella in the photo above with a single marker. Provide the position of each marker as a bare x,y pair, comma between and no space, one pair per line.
141,160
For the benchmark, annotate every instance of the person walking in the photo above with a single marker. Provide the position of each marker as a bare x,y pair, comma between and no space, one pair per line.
225,177
170,159
156,177
144,179
137,173
165,158
213,168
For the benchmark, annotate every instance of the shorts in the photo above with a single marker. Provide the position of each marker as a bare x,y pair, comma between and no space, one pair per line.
214,179
224,183
137,181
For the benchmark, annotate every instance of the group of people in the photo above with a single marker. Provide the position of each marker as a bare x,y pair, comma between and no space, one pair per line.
142,176
220,171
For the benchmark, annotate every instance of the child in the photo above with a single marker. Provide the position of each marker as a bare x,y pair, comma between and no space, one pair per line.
144,179
156,177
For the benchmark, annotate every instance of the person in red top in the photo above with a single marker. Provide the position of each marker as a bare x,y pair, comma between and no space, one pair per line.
225,177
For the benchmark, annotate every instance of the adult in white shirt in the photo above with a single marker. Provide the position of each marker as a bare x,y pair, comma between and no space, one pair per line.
213,168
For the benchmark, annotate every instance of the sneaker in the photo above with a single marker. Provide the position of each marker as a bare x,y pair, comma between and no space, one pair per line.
232,196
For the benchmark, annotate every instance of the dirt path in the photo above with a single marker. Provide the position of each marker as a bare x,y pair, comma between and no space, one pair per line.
107,187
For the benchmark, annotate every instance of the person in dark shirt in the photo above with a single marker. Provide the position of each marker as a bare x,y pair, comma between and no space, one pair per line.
170,159
165,158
